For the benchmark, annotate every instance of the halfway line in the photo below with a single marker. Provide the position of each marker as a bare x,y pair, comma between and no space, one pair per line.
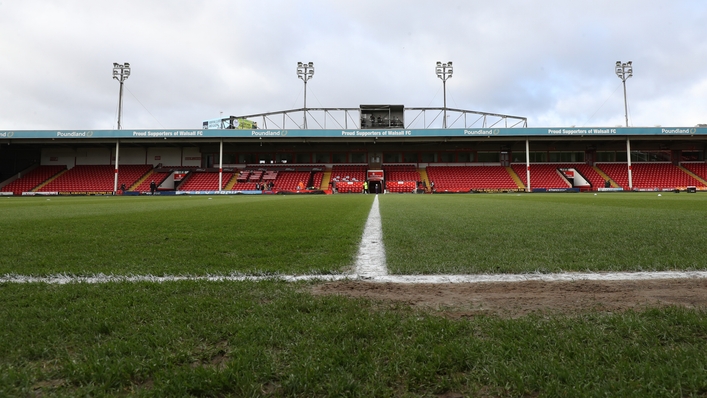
371,253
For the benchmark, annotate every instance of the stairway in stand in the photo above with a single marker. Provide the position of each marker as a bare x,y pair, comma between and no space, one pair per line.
325,180
515,177
605,177
229,185
141,180
693,175
425,178
36,189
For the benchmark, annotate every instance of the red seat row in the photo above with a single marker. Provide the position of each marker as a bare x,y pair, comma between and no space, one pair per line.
467,178
650,175
204,181
158,178
95,178
32,179
542,175
342,173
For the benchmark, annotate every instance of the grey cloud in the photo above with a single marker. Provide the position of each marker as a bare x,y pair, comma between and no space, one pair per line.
551,61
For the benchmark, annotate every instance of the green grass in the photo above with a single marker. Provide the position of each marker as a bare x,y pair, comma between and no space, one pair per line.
423,234
274,338
181,235
516,233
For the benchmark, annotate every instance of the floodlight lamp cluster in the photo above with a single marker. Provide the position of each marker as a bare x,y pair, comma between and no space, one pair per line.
444,70
624,70
305,71
121,71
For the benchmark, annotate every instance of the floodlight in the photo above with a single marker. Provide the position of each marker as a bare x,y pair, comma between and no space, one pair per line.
120,73
444,72
624,71
305,71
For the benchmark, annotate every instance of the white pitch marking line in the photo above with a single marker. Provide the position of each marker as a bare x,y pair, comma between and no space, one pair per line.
410,279
370,262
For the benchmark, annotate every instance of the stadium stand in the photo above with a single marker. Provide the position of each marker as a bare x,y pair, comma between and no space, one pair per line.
243,186
270,175
157,177
243,176
699,169
288,180
95,178
204,181
589,174
349,187
401,186
349,177
649,175
661,176
542,175
348,173
317,178
32,179
403,172
255,175
401,178
467,178
617,172
284,177
546,175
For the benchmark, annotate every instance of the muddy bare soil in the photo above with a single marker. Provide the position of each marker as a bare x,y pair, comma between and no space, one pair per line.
513,299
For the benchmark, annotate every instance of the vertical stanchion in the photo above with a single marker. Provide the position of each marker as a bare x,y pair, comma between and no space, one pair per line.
117,156
527,163
220,166
628,156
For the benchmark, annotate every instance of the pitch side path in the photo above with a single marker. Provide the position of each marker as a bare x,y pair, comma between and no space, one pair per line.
370,266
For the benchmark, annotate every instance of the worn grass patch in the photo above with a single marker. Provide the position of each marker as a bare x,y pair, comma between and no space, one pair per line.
275,339
181,235
518,233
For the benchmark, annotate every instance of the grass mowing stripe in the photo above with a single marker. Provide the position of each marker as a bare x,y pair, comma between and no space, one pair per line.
522,233
182,235
274,338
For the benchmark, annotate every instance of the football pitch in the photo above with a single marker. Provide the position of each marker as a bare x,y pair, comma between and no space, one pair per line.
317,234
273,338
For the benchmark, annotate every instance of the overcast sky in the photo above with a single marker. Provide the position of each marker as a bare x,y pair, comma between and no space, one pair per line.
550,61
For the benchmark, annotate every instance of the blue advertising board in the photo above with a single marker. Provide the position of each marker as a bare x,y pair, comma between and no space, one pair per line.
354,133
